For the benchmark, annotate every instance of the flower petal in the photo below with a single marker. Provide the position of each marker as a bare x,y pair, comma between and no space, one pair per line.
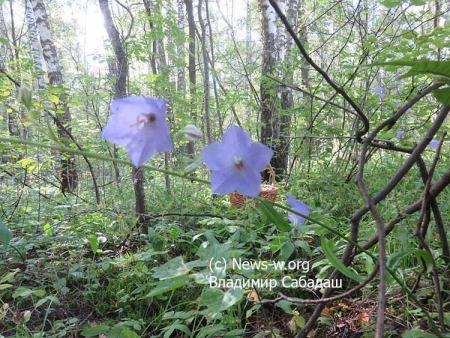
248,183
237,138
258,155
299,207
140,151
218,156
222,182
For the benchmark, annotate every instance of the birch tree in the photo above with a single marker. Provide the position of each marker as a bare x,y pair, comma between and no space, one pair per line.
206,72
269,91
191,67
68,169
35,49
12,116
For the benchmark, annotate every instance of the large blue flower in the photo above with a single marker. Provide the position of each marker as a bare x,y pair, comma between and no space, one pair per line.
236,163
139,124
299,207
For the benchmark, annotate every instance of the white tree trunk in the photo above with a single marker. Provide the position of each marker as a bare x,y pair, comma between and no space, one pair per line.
34,44
48,47
68,170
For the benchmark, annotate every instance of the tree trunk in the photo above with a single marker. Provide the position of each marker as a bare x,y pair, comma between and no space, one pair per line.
191,67
34,44
159,64
287,100
212,61
68,174
206,87
120,91
13,116
270,95
181,82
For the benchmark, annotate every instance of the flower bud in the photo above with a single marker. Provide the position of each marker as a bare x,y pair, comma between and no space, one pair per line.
24,96
192,133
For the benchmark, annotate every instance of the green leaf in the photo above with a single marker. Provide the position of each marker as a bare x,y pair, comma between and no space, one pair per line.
4,286
5,234
285,305
327,246
394,260
177,326
286,250
95,330
418,2
216,300
93,241
442,95
391,3
122,332
171,269
54,99
168,285
429,67
274,216
194,165
417,333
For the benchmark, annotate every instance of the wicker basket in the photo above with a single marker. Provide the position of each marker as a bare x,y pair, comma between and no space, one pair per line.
267,191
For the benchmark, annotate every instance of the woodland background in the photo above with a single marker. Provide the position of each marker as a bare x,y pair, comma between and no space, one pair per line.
91,246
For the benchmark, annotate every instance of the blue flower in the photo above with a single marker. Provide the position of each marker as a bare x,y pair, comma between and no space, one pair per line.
236,163
400,134
139,124
299,207
434,144
379,91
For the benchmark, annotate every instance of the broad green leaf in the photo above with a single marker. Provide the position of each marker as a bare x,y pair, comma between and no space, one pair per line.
54,99
122,332
177,326
168,285
274,216
442,95
391,3
429,67
5,234
417,333
418,2
327,246
286,250
216,300
95,330
394,260
285,305
52,299
171,269
4,286
93,241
